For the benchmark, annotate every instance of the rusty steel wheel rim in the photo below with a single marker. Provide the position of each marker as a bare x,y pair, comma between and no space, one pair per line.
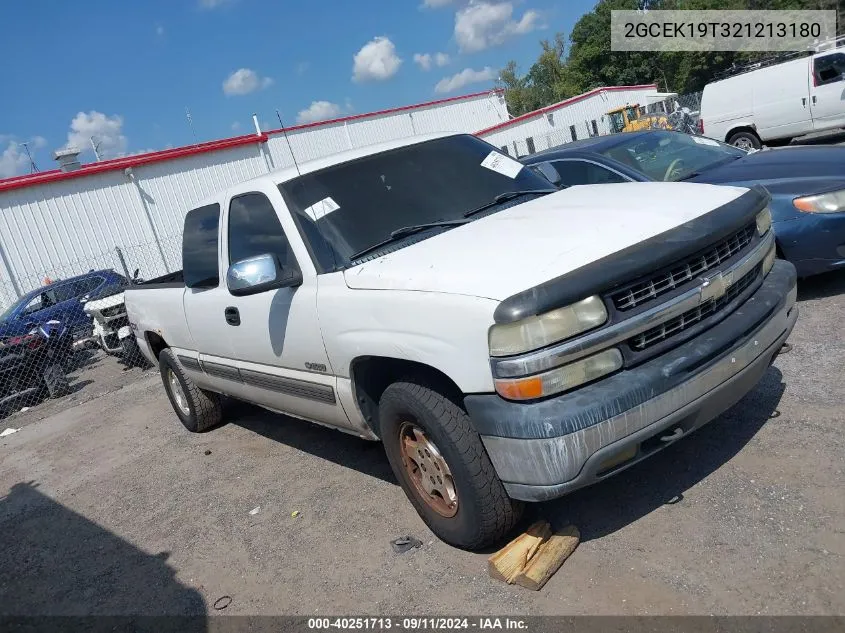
428,470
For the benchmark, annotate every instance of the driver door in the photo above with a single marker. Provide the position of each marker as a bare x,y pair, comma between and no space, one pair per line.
276,337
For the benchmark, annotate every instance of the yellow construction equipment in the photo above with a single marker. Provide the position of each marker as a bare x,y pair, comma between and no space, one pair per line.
628,119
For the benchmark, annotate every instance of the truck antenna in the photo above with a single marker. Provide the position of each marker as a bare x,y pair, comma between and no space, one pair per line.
287,140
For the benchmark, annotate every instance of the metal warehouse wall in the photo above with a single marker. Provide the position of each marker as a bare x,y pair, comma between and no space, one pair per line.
551,126
309,142
56,226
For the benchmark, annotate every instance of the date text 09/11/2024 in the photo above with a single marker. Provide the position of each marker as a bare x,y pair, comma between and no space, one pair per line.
416,623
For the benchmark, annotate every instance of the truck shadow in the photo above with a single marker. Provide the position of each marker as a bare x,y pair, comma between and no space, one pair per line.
55,562
334,446
663,478
822,286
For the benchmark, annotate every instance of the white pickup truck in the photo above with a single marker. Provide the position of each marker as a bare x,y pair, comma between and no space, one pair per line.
507,342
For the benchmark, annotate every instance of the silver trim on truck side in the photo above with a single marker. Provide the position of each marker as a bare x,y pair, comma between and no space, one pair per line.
568,351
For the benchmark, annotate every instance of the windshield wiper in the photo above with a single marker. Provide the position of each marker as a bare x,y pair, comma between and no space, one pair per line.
405,231
504,197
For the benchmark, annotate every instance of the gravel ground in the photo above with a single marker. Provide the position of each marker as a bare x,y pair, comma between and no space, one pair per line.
111,507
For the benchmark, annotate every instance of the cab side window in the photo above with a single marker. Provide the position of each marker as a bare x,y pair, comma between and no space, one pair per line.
254,229
829,69
199,247
579,172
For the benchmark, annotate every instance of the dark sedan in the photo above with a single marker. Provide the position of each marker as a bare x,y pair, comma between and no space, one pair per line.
807,184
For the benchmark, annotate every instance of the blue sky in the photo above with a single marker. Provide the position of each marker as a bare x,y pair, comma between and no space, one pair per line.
125,72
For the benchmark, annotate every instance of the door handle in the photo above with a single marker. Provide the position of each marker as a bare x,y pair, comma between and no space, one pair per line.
814,99
804,101
233,317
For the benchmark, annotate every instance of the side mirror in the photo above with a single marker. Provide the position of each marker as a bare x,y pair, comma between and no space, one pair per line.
260,273
549,173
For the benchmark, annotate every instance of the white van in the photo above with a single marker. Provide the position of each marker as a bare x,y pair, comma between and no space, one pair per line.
774,103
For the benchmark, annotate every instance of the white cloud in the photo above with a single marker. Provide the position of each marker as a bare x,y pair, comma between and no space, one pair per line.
423,59
376,61
213,4
426,60
14,160
463,78
236,126
245,80
319,111
106,130
302,68
484,24
436,4
160,30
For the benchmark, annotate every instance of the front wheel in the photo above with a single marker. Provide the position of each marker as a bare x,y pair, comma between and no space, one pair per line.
197,409
442,466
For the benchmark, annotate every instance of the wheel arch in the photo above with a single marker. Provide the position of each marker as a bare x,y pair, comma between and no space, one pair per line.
742,127
155,342
371,375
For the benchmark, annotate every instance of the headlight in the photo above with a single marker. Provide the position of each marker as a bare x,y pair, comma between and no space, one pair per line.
832,202
560,378
764,220
769,260
550,327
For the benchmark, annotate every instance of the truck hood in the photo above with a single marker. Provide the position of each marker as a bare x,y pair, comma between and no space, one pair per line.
523,246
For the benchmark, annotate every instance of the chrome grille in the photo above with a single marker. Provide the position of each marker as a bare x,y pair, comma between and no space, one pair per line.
691,317
684,271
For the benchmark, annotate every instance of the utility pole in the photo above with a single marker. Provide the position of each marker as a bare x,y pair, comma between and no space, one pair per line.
33,168
190,122
96,148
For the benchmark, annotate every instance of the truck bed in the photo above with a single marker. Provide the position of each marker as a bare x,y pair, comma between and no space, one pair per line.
170,280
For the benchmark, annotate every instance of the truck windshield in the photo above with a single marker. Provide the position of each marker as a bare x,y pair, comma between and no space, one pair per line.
350,207
671,156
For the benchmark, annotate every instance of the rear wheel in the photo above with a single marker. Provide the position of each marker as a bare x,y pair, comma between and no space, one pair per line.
197,409
442,466
745,140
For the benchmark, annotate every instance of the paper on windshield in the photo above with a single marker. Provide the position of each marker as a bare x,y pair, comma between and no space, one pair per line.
705,141
502,164
322,208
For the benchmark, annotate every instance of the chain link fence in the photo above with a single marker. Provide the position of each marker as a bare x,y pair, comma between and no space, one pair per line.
68,317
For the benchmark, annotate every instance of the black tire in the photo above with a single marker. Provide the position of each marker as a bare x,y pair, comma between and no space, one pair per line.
485,513
132,356
61,386
205,408
745,138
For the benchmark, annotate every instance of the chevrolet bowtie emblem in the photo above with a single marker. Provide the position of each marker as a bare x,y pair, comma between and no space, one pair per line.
715,286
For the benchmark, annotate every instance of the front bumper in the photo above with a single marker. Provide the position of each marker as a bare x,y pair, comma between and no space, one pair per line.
547,449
